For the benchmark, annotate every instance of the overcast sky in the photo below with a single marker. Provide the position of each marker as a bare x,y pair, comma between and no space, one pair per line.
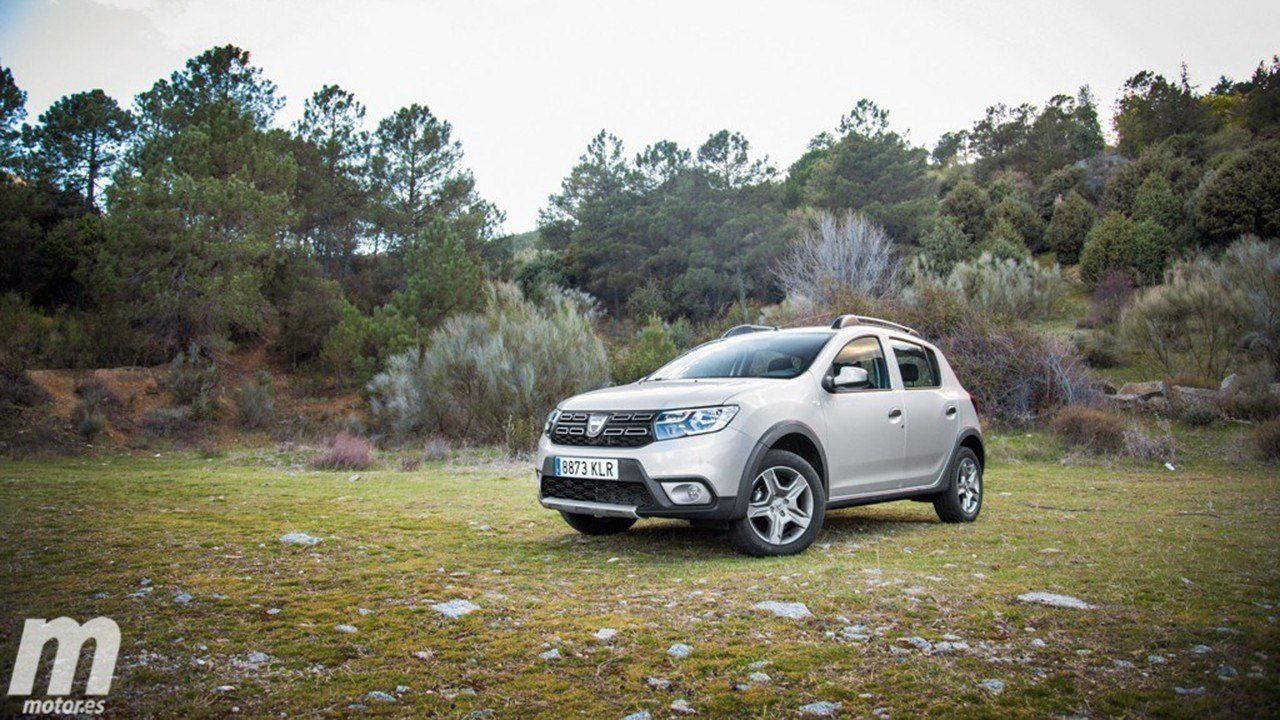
527,84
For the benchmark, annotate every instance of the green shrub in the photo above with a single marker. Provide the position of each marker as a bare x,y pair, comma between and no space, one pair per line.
1251,271
89,419
482,375
1243,196
653,348
307,316
255,401
174,423
1072,219
1198,414
1099,348
1089,429
946,244
1004,242
970,205
1022,218
1116,242
1266,440
1155,202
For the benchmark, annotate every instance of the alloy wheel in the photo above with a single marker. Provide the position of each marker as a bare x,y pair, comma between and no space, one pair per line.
969,485
781,506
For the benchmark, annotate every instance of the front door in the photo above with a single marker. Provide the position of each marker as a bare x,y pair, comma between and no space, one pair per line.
865,438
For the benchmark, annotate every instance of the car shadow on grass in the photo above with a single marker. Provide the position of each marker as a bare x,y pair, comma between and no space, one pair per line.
675,540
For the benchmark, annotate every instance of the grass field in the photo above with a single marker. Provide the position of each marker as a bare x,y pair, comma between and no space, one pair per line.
1171,560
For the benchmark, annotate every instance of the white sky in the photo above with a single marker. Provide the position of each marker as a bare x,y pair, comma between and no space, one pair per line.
527,84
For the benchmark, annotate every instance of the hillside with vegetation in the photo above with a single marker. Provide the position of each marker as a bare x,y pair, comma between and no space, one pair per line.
343,275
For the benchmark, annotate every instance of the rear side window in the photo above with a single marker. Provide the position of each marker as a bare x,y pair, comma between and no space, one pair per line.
917,364
865,353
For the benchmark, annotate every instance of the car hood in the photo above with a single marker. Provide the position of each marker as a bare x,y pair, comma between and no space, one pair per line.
663,394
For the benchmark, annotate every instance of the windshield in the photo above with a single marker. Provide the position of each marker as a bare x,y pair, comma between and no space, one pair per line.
761,355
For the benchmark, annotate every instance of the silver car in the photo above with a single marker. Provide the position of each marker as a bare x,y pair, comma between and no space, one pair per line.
764,430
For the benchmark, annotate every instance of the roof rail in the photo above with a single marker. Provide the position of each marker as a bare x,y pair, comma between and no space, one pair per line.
744,329
845,321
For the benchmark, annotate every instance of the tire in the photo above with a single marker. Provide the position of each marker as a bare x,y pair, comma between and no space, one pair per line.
592,525
962,500
751,534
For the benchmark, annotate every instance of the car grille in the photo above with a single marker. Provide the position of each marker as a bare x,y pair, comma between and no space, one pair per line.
623,429
600,491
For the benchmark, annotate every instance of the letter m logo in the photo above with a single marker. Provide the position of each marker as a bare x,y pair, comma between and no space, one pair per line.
70,637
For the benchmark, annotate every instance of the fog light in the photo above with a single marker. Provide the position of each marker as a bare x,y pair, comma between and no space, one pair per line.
687,493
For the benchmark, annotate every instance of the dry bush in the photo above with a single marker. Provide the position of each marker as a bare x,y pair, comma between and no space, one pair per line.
492,376
836,255
255,401
1250,398
1089,429
1266,440
345,452
437,449
173,423
1110,297
1144,445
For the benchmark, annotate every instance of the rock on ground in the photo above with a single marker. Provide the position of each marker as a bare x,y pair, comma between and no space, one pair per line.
995,687
642,715
680,651
682,707
658,683
1055,600
552,654
298,538
347,629
455,608
792,610
379,696
606,634
820,709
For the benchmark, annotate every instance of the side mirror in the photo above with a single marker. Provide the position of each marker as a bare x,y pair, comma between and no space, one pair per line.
850,376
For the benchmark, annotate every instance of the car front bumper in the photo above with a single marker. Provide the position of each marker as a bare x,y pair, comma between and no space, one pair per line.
716,460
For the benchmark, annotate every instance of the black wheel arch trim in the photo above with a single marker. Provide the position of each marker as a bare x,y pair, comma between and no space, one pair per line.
762,446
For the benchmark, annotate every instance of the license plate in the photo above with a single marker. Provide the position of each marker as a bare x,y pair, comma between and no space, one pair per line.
589,468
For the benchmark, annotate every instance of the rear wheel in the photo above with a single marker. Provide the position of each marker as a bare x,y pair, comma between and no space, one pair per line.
592,525
785,510
962,500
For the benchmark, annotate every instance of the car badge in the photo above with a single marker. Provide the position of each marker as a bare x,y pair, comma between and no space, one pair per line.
595,424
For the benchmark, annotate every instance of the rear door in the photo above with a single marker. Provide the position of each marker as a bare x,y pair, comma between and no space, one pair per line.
865,440
929,414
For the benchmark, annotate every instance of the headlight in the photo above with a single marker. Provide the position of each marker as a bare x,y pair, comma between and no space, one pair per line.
551,420
697,421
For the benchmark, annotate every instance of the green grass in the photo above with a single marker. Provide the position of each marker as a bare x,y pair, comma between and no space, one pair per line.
1168,558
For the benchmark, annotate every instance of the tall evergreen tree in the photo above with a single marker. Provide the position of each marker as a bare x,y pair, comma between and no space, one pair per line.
80,138
13,101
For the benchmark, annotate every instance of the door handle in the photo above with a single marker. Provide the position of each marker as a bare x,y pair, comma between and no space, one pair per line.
951,411
895,413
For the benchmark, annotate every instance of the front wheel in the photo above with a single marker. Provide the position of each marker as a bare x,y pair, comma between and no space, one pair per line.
785,510
592,525
962,500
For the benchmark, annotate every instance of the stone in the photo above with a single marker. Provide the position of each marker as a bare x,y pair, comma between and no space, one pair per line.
1226,672
346,629
1055,600
1038,643
995,687
1228,382
455,609
1198,690
1144,390
759,678
298,538
680,651
1202,395
552,654
605,635
1123,665
821,708
273,611
792,610
642,715
919,643
658,683
680,706
1202,649
379,696
182,598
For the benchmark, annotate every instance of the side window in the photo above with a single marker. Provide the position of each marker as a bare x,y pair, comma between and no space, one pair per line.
918,366
865,352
